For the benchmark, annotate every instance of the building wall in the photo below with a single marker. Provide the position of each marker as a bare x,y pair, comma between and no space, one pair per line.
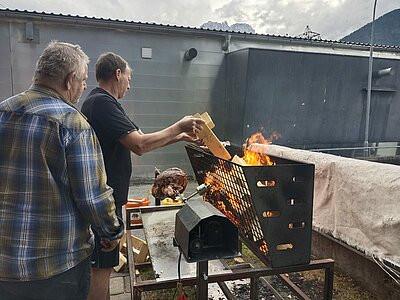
5,62
232,78
313,100
163,89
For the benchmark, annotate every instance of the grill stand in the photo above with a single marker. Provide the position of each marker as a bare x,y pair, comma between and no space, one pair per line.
202,280
240,271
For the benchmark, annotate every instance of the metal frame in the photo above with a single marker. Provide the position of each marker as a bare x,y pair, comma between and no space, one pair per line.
246,203
238,272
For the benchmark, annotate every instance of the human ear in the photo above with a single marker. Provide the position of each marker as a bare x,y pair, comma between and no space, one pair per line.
68,80
118,74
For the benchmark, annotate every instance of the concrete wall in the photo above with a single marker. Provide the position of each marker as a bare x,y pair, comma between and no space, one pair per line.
367,273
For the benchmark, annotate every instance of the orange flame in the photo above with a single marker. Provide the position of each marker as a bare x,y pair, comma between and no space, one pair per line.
264,247
221,196
254,158
215,183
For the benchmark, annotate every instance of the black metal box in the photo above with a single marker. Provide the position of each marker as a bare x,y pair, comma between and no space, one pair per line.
271,205
204,233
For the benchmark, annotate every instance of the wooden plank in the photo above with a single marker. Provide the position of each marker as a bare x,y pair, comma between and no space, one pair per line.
239,160
122,262
209,122
211,140
140,249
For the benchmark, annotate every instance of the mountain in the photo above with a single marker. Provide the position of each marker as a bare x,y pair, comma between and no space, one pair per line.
387,31
237,27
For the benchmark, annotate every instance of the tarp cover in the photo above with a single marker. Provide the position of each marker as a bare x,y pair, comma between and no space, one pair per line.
355,201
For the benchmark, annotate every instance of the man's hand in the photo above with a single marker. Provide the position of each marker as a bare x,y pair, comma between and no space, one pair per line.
190,124
191,138
109,246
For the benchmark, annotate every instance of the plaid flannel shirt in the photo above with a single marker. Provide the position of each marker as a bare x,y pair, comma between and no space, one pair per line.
52,186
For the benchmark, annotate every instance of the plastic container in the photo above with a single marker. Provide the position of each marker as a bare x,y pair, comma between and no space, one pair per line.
134,203
169,201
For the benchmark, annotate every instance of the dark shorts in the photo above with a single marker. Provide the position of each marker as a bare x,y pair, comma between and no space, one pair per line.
72,284
105,260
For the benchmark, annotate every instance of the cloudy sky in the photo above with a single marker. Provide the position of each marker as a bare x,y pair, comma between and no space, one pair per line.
333,19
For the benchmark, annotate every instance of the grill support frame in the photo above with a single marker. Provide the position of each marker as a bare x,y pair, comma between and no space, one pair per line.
139,286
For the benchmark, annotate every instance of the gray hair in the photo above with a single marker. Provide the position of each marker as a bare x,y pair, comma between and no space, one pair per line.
58,60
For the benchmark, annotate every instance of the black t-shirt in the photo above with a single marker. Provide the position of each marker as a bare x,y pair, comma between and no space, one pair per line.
110,122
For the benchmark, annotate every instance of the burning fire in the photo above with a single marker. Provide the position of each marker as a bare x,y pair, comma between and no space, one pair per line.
218,193
254,158
224,197
264,247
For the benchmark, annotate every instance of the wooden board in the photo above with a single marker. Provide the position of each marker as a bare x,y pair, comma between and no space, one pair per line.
211,140
209,122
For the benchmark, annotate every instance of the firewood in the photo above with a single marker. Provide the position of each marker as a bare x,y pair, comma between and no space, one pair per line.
211,140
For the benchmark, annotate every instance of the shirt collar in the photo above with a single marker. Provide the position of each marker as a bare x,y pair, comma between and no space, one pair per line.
46,90
52,93
105,91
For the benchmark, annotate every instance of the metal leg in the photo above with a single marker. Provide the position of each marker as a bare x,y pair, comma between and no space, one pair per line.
294,288
202,280
254,287
227,292
136,295
328,287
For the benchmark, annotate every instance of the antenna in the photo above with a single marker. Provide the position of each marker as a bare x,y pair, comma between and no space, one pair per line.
309,34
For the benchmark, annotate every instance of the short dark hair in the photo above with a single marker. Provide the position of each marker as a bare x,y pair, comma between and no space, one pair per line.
107,64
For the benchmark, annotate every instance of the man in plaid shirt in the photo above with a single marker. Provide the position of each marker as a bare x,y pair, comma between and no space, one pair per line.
53,184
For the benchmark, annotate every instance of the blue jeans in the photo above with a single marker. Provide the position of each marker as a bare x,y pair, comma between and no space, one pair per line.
70,285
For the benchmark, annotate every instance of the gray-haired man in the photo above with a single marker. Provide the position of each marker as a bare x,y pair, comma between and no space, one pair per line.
53,184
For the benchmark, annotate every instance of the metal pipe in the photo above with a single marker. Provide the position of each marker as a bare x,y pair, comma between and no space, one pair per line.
201,190
190,54
368,107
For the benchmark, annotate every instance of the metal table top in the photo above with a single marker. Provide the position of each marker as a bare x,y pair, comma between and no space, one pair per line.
159,228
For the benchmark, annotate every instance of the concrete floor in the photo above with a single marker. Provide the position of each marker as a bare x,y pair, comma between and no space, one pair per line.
120,288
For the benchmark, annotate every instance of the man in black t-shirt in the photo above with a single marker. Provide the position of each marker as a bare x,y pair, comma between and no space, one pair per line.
118,136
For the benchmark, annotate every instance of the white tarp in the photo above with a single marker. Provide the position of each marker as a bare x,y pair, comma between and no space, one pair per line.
355,201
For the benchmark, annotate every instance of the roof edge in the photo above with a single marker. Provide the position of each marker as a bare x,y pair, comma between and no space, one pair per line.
148,26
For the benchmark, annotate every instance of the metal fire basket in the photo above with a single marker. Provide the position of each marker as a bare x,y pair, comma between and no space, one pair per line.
271,205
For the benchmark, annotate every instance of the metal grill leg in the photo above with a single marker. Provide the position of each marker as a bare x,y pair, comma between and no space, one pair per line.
328,287
202,280
254,287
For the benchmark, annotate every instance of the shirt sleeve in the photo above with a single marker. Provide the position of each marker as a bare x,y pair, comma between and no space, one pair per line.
111,118
88,181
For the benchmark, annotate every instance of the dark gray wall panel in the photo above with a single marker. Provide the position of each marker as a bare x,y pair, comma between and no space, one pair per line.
236,90
312,99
